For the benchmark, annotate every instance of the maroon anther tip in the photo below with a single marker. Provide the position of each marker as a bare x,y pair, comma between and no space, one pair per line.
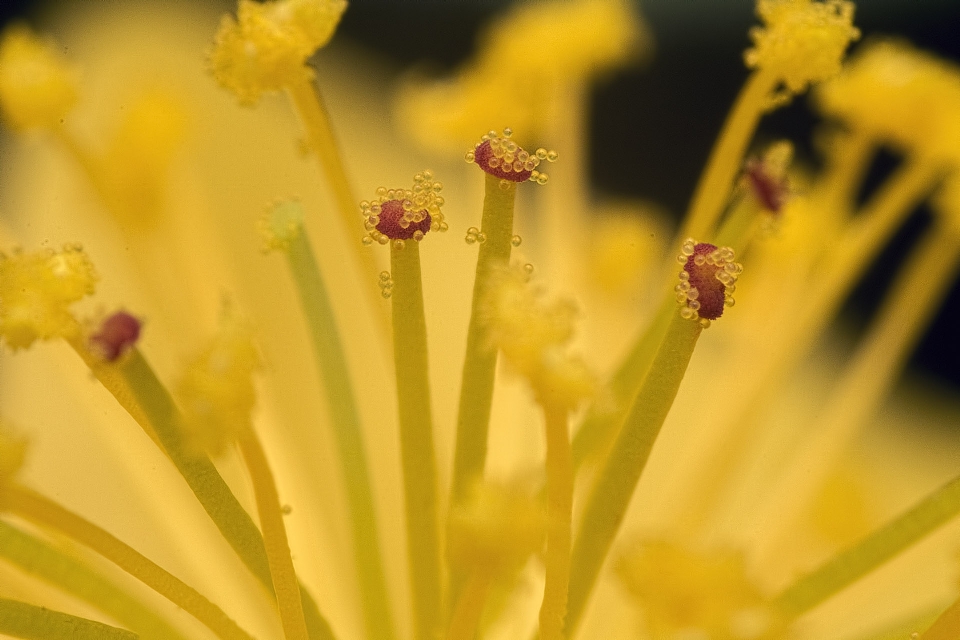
703,277
118,333
770,190
482,155
391,213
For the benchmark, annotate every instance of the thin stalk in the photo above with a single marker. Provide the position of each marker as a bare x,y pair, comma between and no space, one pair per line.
308,103
274,537
618,479
946,627
871,552
713,189
559,469
839,271
70,575
46,513
846,166
416,439
22,620
599,425
480,362
135,385
334,372
920,286
466,615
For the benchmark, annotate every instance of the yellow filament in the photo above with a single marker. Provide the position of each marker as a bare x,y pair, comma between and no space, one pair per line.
466,615
46,513
726,158
559,469
921,285
274,537
946,627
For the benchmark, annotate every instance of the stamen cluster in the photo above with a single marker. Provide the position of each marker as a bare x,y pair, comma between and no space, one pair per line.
707,280
402,214
503,158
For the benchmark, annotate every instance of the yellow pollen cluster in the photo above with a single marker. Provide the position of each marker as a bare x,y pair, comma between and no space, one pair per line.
266,47
216,389
496,529
686,593
282,224
692,294
423,198
36,291
885,86
13,451
524,58
803,41
507,157
533,336
37,88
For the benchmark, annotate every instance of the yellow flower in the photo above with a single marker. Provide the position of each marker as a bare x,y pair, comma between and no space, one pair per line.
37,86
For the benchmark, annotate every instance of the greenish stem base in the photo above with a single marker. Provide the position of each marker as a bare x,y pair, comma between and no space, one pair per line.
22,620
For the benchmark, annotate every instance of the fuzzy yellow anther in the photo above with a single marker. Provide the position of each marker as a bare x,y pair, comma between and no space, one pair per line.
37,87
533,335
282,224
803,41
697,593
266,47
216,390
883,89
36,291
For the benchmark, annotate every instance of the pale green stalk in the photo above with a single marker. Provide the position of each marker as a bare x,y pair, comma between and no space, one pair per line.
621,472
416,439
480,362
556,561
46,513
873,551
42,560
136,386
22,620
332,363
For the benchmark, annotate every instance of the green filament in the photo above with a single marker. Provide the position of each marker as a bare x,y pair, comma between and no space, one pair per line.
882,545
480,363
39,558
22,620
618,479
416,438
560,509
332,363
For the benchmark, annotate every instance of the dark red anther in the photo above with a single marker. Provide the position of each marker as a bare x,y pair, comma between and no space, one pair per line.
703,278
117,334
482,155
391,213
769,190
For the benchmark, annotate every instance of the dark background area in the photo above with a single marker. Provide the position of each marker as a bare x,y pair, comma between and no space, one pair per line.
652,127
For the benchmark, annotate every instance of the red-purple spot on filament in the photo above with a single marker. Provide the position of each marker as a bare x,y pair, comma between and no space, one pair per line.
392,213
703,278
118,333
769,190
484,153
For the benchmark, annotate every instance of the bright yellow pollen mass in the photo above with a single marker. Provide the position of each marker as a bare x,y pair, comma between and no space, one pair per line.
266,46
36,290
803,42
533,336
216,389
886,85
37,88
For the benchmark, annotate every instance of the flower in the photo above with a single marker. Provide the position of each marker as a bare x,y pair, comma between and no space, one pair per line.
362,495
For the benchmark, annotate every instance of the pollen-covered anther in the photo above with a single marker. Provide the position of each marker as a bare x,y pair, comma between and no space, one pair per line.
402,214
498,155
707,281
115,336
